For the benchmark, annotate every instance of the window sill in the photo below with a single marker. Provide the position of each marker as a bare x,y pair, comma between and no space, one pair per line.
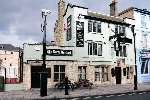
95,56
95,33
145,74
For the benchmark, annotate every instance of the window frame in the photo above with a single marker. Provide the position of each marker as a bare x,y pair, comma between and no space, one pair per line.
94,26
81,72
69,29
90,25
95,48
122,52
105,72
59,73
97,73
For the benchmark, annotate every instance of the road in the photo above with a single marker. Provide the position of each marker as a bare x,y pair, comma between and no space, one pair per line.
124,96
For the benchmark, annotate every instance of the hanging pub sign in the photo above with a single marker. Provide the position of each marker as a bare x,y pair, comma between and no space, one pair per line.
59,52
79,34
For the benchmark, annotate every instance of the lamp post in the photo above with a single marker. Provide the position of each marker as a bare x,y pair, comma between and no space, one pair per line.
135,76
43,74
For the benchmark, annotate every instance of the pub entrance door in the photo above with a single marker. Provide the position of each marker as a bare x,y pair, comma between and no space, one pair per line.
35,76
118,75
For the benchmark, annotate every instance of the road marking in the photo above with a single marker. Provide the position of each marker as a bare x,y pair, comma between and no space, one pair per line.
144,92
121,95
86,98
133,93
75,98
98,97
130,94
109,96
141,93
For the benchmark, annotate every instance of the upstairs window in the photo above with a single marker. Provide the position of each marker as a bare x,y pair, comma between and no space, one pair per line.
116,29
99,27
122,30
143,21
94,26
69,35
94,48
122,52
89,48
99,49
89,26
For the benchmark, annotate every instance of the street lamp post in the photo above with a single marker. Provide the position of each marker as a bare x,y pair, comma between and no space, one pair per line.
135,76
43,74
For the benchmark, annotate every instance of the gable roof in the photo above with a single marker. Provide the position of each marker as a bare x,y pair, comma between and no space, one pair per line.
105,18
97,16
8,47
143,11
71,5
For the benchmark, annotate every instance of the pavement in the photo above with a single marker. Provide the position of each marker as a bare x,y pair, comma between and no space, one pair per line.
98,90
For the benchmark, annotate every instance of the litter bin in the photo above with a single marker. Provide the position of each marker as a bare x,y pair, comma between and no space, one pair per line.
1,83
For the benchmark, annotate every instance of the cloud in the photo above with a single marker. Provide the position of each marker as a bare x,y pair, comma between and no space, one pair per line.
20,20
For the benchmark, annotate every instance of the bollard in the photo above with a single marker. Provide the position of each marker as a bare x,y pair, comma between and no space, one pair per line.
66,86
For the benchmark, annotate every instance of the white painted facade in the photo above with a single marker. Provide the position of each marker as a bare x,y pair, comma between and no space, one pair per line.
81,56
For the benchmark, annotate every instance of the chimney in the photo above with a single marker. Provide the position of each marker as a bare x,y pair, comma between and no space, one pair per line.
113,8
59,26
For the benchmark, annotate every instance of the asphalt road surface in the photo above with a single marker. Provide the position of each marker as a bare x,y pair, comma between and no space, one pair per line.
123,96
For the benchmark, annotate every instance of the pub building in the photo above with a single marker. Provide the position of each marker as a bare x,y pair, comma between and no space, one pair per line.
87,48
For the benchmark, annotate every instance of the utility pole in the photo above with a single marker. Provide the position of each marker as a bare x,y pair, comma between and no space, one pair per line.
43,74
135,76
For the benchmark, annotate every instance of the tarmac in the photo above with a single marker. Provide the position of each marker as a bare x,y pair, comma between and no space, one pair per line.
56,94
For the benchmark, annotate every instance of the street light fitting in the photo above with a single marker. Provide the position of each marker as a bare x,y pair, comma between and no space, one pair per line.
46,11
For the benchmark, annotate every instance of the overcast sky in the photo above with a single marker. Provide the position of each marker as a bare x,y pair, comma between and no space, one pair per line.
20,20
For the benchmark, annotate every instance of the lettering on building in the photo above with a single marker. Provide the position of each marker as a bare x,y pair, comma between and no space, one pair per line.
59,52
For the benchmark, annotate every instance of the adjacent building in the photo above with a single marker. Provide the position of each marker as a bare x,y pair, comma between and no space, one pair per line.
95,47
141,19
10,63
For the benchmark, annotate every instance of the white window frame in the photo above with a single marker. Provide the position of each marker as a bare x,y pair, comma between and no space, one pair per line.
99,49
82,72
92,23
59,72
98,71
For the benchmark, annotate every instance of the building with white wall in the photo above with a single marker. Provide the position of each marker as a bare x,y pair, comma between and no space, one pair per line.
9,56
87,51
141,19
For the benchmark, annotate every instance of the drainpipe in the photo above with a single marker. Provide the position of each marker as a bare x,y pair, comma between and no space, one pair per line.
135,76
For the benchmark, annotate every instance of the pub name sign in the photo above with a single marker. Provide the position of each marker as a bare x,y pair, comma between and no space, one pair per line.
59,52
